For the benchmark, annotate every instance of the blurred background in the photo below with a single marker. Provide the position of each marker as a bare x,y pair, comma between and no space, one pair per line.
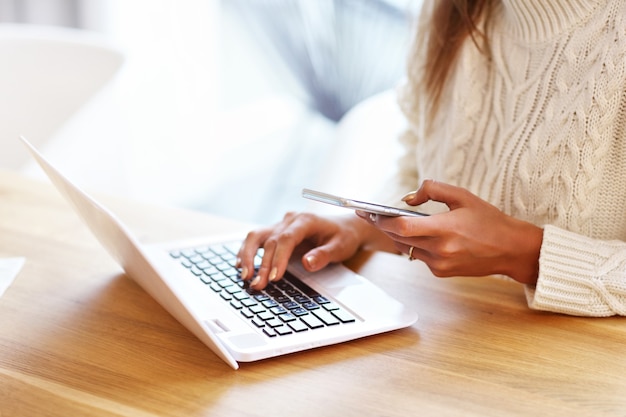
225,106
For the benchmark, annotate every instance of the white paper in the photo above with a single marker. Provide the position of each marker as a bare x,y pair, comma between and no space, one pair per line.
9,268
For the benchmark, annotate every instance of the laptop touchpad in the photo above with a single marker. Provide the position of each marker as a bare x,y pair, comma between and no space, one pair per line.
247,341
337,276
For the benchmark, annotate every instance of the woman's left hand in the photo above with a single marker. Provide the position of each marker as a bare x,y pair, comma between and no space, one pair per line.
474,238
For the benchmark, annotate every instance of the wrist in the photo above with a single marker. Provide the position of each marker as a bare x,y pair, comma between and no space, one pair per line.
368,236
525,247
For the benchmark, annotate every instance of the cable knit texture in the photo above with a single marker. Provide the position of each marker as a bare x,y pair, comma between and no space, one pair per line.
539,130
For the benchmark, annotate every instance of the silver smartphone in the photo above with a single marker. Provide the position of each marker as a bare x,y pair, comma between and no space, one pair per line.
358,205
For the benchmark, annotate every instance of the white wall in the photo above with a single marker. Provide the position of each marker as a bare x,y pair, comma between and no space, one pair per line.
198,116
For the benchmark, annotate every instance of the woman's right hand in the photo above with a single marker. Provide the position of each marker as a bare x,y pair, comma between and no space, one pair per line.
328,239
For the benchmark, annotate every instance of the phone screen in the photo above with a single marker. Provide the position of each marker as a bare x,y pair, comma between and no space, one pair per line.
357,204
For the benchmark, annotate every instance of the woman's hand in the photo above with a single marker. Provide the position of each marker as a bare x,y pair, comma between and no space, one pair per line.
473,239
327,240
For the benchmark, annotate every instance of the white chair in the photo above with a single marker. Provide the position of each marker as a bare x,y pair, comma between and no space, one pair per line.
46,75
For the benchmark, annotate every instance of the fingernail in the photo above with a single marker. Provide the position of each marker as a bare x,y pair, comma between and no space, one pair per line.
244,272
409,196
255,281
310,259
273,274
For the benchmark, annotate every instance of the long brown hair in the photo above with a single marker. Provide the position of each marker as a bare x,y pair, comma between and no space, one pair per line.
452,22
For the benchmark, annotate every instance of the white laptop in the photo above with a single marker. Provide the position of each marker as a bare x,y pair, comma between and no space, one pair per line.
197,283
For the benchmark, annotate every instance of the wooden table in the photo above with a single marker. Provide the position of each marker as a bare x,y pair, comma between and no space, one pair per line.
79,338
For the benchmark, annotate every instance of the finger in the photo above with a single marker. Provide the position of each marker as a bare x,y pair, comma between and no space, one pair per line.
248,250
279,246
284,246
404,226
260,279
255,240
403,248
416,253
450,195
367,216
335,250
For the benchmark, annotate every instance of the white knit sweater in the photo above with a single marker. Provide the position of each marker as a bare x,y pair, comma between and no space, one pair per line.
540,132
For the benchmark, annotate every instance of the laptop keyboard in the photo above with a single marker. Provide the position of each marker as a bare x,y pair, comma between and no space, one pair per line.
284,307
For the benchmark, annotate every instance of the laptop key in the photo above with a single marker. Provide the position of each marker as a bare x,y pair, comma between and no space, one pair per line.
320,299
330,306
310,305
247,313
291,305
241,295
248,302
283,330
298,326
265,315
299,311
343,316
232,289
326,317
312,321
274,323
257,308
278,310
269,331
287,317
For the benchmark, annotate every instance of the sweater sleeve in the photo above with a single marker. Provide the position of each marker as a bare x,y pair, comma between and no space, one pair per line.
579,275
